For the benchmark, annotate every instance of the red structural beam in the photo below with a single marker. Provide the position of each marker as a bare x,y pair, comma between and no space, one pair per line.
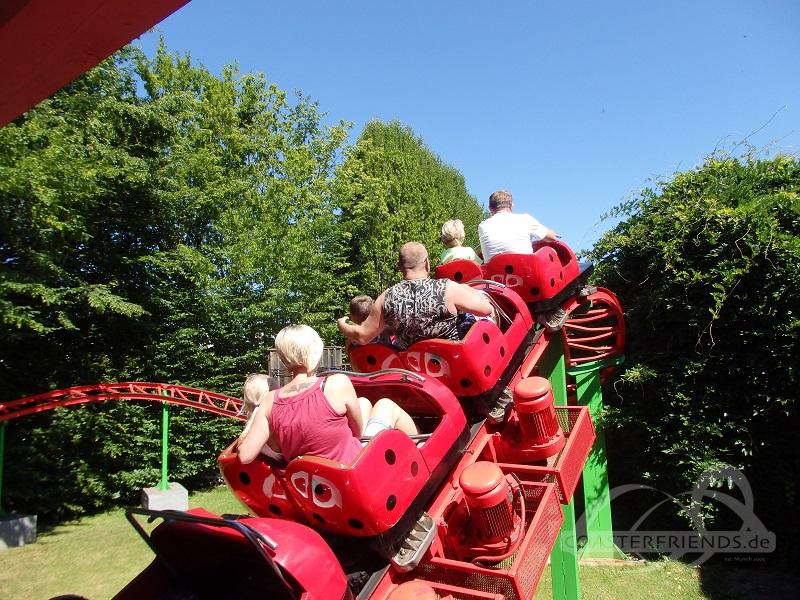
218,404
45,44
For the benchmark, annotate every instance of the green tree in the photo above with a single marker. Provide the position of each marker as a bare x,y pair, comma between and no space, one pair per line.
261,248
77,216
706,266
158,222
161,222
392,189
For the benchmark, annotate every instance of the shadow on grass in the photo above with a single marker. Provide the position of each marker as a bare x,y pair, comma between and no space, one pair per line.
731,580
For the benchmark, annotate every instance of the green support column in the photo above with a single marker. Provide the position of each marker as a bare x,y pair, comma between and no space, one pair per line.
164,483
2,460
564,557
599,528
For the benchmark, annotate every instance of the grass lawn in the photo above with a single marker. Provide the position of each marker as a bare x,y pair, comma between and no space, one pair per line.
93,557
96,556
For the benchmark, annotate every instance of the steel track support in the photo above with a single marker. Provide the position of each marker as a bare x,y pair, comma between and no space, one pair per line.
564,557
597,500
164,483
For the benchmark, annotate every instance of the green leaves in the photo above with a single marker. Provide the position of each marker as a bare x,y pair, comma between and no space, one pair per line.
706,266
161,222
392,189
146,237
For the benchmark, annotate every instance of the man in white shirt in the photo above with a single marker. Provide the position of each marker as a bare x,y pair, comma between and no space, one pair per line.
507,231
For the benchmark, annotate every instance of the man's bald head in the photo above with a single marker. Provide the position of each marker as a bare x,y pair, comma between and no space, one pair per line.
412,256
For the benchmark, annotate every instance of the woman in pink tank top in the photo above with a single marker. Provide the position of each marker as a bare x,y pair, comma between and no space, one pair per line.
313,415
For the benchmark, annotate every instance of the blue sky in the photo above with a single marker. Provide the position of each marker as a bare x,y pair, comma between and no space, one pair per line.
572,106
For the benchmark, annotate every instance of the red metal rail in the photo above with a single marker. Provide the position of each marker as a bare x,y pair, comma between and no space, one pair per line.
595,330
218,404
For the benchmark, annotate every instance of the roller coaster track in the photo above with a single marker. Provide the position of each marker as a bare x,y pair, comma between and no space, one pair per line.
218,404
595,328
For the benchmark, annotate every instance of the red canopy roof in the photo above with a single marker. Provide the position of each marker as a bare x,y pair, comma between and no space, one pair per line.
45,44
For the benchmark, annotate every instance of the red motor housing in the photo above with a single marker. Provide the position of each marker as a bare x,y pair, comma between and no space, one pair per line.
541,433
488,495
486,526
413,590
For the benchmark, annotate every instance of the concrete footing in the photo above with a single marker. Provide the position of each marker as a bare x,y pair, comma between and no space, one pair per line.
17,530
174,498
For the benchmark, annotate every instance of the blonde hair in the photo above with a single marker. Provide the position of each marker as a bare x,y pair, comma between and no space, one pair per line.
453,233
255,387
299,347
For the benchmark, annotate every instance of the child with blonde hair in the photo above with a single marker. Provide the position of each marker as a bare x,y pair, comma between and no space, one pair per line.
254,391
453,238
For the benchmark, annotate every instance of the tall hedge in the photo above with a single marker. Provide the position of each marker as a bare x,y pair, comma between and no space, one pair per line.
393,189
707,266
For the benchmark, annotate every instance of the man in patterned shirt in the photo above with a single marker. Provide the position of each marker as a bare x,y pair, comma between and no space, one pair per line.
417,308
